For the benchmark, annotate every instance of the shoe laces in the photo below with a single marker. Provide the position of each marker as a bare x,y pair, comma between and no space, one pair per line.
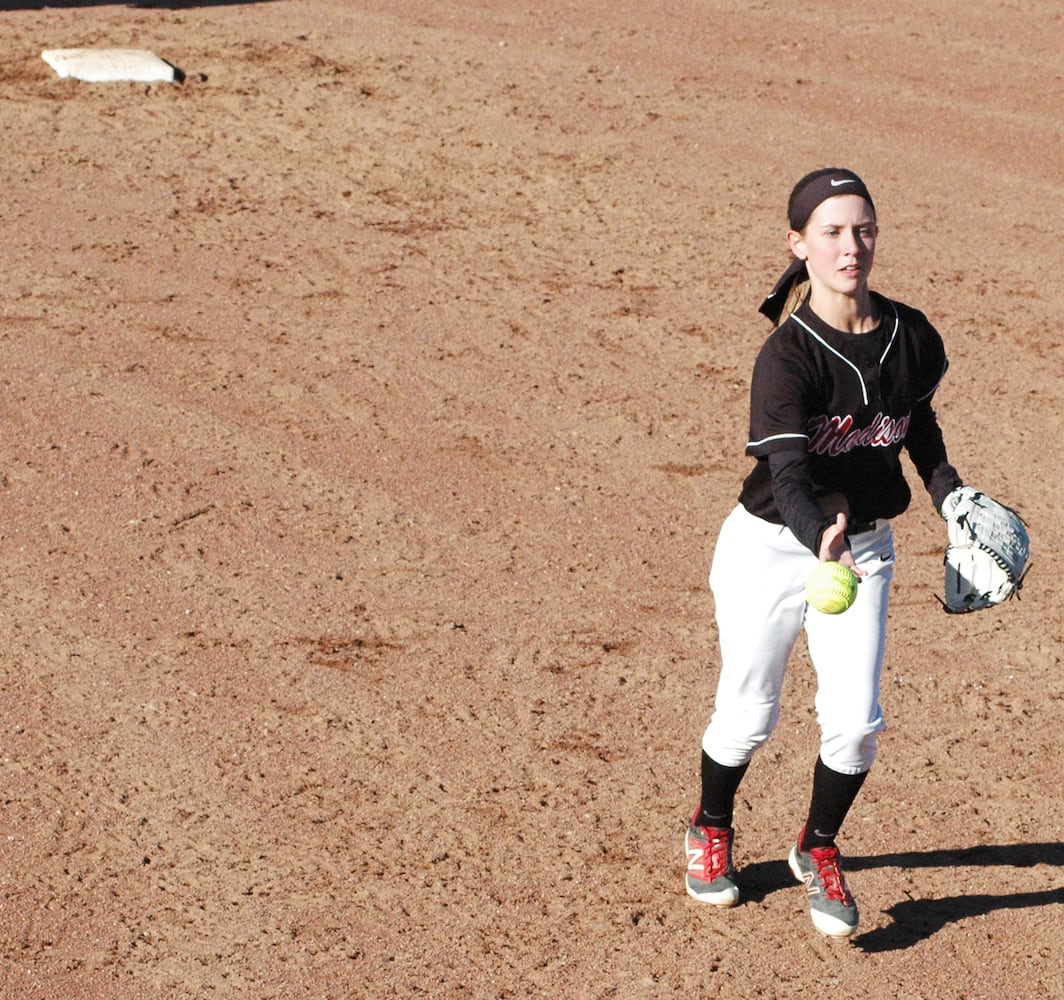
715,853
830,874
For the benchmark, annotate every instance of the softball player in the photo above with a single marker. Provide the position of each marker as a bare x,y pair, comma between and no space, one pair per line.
841,385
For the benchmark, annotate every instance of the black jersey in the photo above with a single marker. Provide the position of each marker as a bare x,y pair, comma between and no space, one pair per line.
850,402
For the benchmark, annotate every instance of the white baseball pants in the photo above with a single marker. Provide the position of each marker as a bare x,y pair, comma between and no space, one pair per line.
758,581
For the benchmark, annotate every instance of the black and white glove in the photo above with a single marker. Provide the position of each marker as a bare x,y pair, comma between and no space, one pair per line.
988,553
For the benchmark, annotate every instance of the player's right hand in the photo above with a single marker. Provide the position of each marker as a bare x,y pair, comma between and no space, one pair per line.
835,546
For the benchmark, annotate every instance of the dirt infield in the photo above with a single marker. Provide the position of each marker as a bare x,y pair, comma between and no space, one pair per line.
371,402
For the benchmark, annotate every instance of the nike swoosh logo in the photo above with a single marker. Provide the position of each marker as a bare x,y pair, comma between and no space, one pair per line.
848,180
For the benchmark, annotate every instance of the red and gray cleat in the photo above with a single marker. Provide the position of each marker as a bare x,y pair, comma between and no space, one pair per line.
831,904
710,873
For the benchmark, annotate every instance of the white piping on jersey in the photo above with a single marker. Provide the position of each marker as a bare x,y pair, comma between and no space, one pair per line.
846,361
931,391
777,437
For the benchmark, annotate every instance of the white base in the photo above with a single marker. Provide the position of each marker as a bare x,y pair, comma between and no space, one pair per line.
109,65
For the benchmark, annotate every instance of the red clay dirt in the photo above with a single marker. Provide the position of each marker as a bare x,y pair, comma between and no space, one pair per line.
371,403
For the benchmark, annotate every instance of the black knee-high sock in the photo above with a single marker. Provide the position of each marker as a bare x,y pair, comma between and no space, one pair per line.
719,785
833,794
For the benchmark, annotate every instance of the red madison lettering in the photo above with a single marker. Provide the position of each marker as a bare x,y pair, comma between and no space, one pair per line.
837,435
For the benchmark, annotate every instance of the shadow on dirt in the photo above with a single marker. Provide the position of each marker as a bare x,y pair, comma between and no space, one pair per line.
915,920
918,919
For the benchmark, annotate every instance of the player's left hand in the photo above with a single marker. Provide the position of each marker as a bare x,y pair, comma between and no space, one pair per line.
988,554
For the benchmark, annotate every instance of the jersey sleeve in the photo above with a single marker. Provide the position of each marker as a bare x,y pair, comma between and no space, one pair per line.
778,399
792,489
924,440
929,355
927,449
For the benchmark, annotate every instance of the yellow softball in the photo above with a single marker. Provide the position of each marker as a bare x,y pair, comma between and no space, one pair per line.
832,588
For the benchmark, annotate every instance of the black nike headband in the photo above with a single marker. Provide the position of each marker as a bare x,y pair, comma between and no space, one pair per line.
809,192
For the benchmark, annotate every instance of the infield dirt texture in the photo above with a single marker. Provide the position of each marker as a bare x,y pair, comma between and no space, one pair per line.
370,404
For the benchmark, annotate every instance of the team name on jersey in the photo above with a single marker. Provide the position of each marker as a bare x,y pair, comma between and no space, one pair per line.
837,435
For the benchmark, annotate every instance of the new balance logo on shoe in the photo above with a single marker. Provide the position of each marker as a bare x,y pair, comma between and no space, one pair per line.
710,876
831,904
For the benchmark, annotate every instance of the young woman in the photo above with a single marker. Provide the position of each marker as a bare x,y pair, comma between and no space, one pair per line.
839,388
